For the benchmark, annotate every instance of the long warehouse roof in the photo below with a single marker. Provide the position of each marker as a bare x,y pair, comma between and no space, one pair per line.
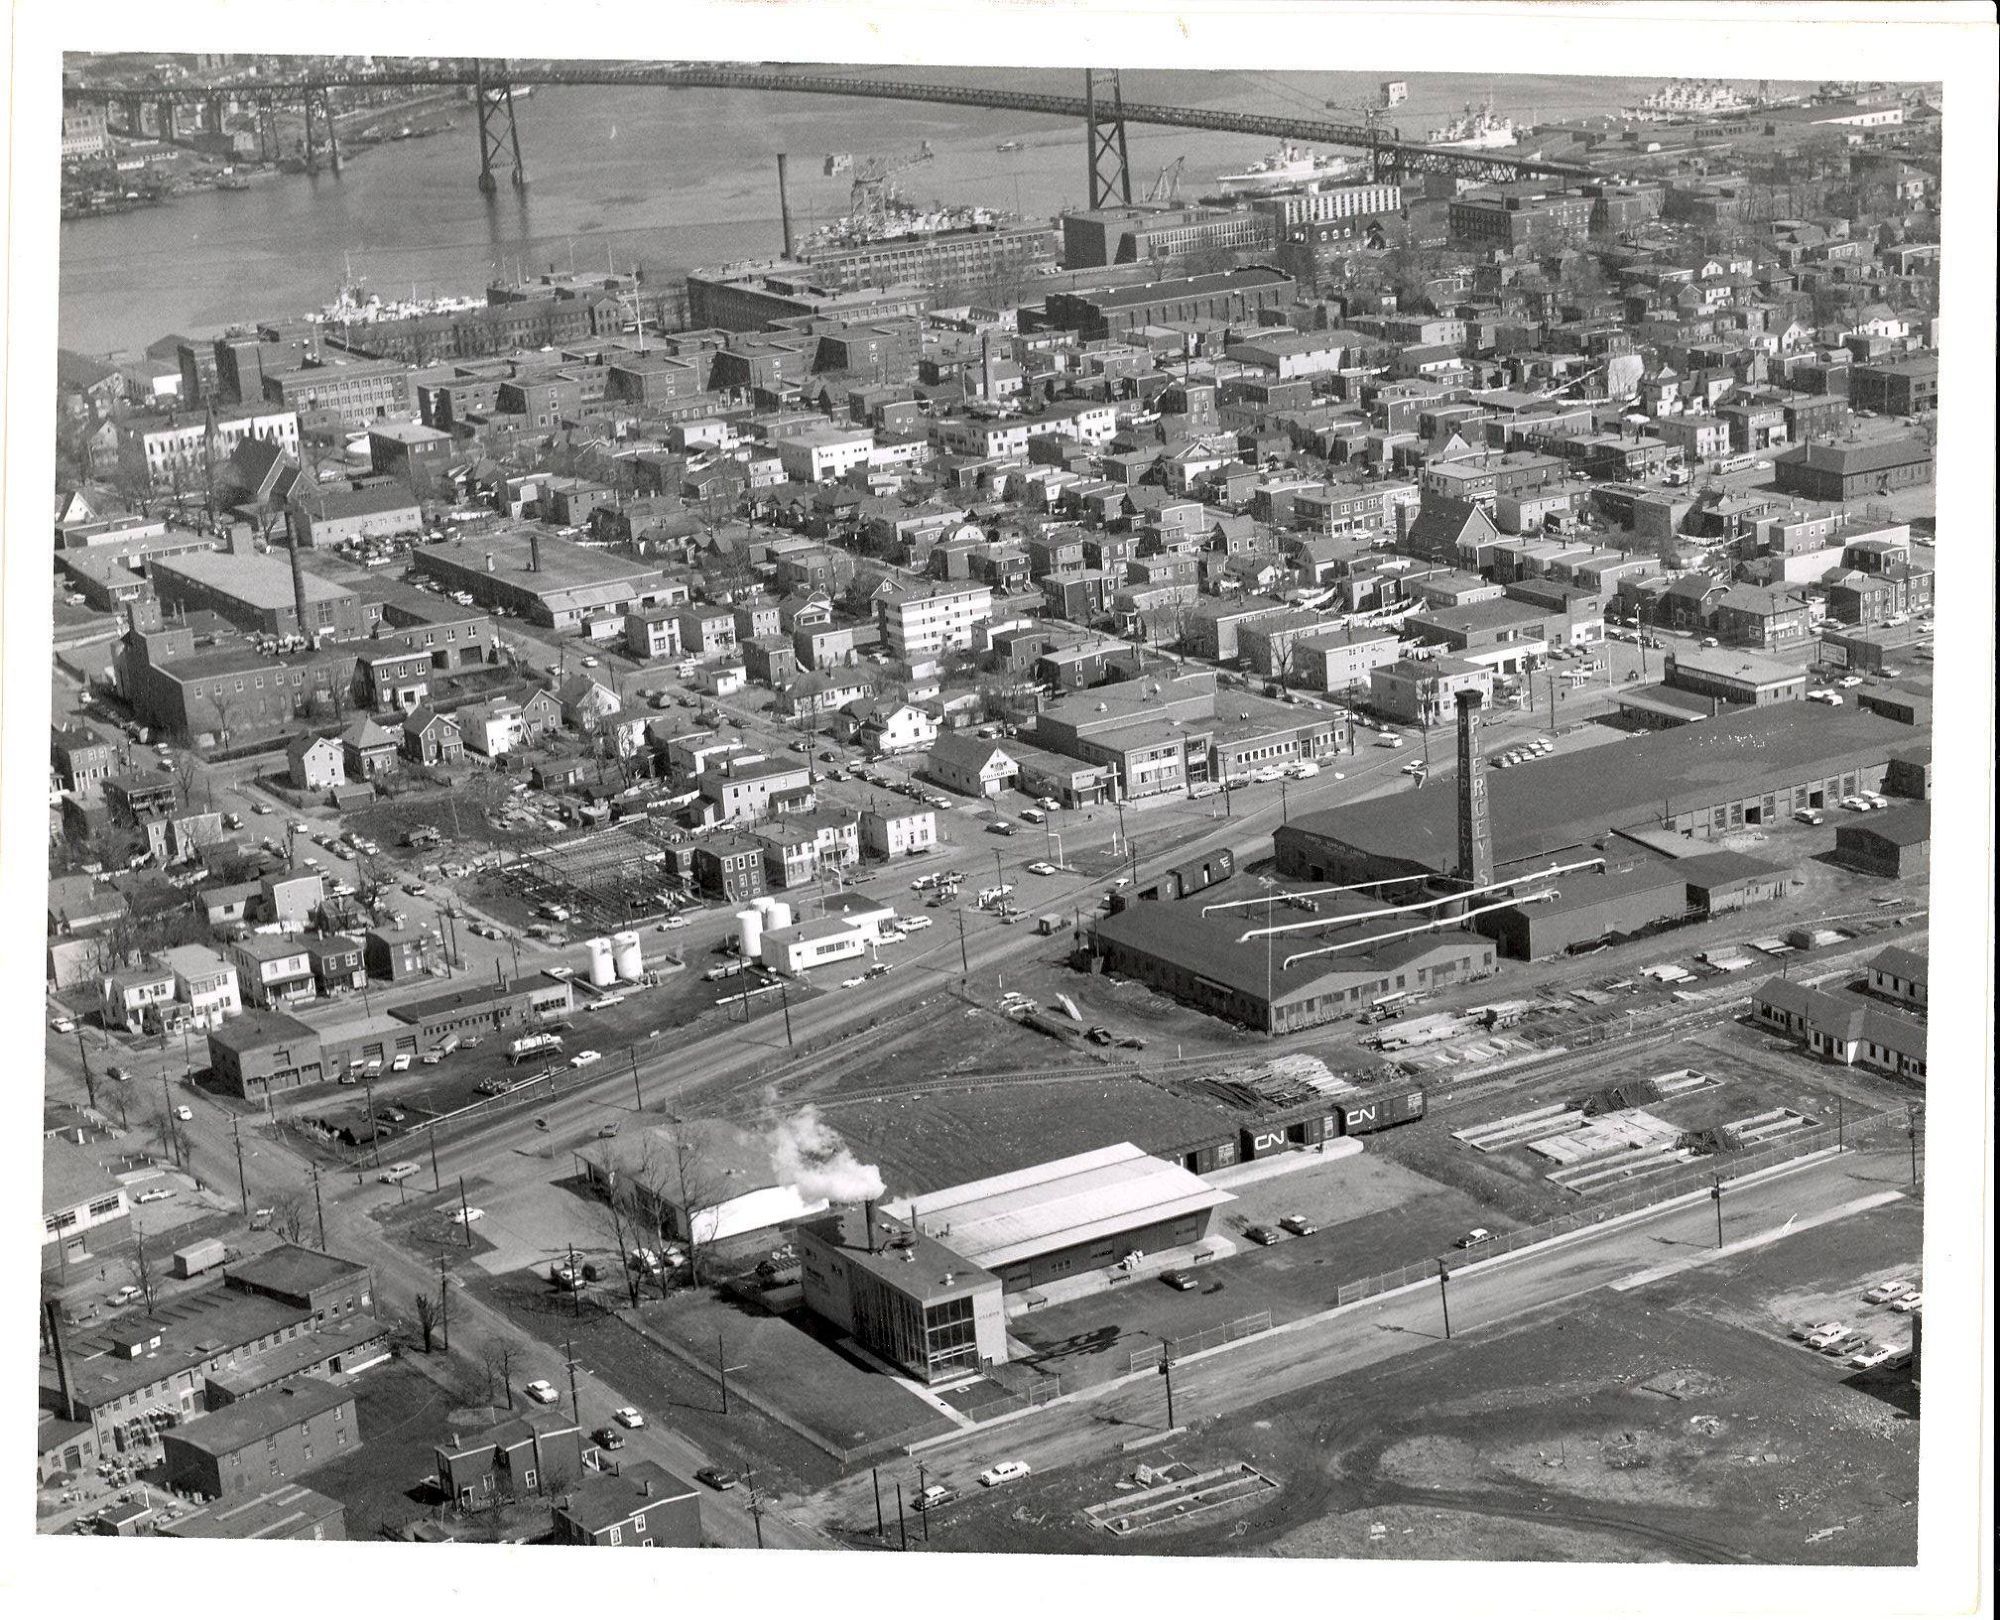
1056,1205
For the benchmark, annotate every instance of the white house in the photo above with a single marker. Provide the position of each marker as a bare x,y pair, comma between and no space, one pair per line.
205,983
891,833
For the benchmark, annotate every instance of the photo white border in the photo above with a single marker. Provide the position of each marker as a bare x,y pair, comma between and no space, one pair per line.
1951,44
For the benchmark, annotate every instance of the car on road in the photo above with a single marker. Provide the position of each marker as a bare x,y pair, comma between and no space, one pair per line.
465,1217
125,1295
1181,1281
1414,767
182,1111
1033,818
153,1195
1004,828
1049,804
1812,818
935,1496
849,984
1848,681
716,1479
1387,739
416,888
1883,1292
1298,1225
119,1073
1265,1235
1908,1303
1001,1473
876,970
585,1058
300,829
540,1390
63,1026
1041,869
608,1438
672,923
394,1115
912,925
1474,1238
258,809
1854,801
629,1417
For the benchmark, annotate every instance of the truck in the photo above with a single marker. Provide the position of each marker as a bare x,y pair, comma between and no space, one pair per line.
199,1257
523,1047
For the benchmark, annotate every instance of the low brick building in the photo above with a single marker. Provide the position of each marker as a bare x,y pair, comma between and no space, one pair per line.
254,1444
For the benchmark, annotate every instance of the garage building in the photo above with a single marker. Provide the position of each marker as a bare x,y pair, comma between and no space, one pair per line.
1896,843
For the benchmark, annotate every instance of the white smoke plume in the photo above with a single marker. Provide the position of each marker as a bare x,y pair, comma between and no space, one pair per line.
809,1156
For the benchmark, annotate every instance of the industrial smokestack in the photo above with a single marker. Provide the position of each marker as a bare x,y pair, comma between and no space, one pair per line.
868,1222
1475,832
299,589
784,205
59,1350
986,367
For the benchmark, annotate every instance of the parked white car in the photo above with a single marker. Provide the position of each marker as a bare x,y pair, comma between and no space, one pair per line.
1001,1473
540,1389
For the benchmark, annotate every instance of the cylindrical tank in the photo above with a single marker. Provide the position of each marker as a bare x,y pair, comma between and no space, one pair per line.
750,933
630,959
602,969
779,916
765,904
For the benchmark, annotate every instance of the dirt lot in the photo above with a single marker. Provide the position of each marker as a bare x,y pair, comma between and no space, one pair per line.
403,1412
1672,1422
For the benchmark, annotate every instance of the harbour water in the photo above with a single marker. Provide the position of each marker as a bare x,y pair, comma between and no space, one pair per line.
668,180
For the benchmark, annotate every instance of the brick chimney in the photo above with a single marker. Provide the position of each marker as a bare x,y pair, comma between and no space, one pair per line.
1475,832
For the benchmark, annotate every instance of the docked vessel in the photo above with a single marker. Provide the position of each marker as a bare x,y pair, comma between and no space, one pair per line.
898,221
1288,167
1476,126
1683,98
355,305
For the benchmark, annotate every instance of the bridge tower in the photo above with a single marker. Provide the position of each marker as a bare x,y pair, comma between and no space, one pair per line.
1104,131
498,136
319,110
267,130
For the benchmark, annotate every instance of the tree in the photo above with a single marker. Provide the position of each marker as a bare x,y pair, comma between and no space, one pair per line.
147,1284
504,1352
618,1219
428,1311
291,1216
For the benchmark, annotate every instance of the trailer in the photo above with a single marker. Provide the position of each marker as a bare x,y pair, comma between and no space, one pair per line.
197,1258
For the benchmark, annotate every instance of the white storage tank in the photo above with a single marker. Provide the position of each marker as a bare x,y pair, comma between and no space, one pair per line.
779,916
629,958
765,904
750,933
602,969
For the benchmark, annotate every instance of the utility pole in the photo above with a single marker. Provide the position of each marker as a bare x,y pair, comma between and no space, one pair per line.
374,1126
575,1293
964,961
167,1119
242,1181
437,1177
1167,1372
1840,1124
1444,1295
444,1307
876,1475
902,1529
464,1210
83,1059
575,1407
923,1501
722,1372
785,1002
1913,1144
638,1096
1715,1193
757,1505
320,1207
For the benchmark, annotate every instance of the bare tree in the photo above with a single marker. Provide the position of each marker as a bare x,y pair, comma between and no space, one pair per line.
489,1361
618,1218
504,1354
147,1282
697,1188
426,1305
291,1216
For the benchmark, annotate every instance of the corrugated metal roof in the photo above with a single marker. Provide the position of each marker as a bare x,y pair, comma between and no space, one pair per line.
1055,1205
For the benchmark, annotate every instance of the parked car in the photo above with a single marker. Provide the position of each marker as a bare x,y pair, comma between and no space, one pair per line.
540,1390
1474,1238
629,1417
1298,1225
1845,1346
935,1496
153,1195
1004,828
1883,1292
63,1026
1908,1304
1873,1357
1812,818
465,1217
125,1295
585,1058
1001,1473
1182,1281
1041,868
1828,1333
182,1111
1806,1330
1263,1234
716,1479
608,1438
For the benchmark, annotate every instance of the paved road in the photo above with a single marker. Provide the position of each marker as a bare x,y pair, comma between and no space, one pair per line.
1091,1425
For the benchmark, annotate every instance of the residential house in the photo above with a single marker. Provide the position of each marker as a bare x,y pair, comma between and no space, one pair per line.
887,727
974,766
433,738
205,982
892,833
367,751
271,971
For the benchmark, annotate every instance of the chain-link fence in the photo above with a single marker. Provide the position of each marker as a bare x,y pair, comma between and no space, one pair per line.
1869,1130
1243,1327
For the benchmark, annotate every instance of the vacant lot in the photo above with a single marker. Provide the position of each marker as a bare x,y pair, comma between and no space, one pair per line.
403,1413
1671,1422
